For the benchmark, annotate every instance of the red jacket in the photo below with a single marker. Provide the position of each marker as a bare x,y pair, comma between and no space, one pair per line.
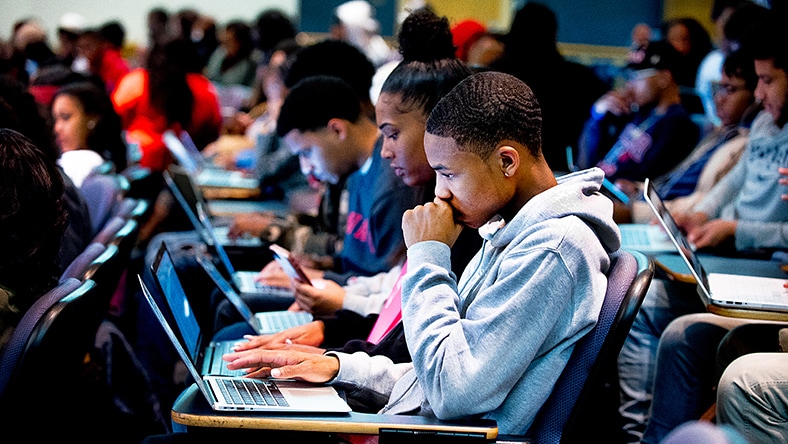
145,125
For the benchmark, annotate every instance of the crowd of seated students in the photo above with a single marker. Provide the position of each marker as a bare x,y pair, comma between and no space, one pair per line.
405,230
742,214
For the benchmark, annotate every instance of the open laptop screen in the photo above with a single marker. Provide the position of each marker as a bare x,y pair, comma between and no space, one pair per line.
674,232
172,291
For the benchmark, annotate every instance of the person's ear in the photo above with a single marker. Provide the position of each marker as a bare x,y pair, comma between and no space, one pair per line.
509,160
338,127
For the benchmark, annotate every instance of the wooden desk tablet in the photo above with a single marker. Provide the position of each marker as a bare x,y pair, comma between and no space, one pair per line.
675,267
229,192
191,410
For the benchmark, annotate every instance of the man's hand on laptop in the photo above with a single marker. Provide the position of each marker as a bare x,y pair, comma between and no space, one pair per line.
311,334
284,364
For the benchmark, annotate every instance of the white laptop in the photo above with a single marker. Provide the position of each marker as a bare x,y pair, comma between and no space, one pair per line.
720,289
225,393
266,322
189,157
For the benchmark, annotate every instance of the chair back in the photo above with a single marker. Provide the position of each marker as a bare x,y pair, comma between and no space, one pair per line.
575,399
80,265
110,230
35,329
125,236
49,372
102,194
131,208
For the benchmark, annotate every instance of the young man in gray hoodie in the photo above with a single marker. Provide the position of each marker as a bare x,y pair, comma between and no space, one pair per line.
494,343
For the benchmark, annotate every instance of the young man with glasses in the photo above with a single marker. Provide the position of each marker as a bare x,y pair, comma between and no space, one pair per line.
643,130
686,184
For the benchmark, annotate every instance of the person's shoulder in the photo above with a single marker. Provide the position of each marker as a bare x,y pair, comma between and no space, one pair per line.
762,122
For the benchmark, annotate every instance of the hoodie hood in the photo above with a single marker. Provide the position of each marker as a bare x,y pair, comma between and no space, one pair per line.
577,194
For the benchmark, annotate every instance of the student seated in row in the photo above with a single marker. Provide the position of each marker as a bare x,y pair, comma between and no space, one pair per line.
715,155
493,343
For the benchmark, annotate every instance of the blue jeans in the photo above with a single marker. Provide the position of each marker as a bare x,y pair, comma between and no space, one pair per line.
665,301
685,375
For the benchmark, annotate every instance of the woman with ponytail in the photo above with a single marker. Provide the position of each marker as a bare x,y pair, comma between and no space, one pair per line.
429,70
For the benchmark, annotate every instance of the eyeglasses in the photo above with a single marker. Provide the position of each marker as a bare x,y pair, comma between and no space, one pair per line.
725,89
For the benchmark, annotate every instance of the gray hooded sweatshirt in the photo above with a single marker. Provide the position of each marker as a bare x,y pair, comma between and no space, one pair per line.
494,344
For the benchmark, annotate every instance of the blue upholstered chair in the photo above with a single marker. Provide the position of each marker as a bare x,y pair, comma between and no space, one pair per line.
577,405
102,193
36,345
80,265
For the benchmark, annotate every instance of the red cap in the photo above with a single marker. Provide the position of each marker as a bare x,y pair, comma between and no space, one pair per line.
464,34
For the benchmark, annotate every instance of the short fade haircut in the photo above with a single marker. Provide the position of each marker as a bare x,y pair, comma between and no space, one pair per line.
488,108
314,101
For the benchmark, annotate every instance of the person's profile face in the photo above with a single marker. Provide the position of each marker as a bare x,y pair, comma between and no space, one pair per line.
467,182
317,154
71,123
679,37
731,99
403,140
643,87
90,48
772,90
230,42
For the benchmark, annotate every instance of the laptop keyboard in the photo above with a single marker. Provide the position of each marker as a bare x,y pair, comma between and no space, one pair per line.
252,392
634,237
750,289
275,321
247,282
223,178
213,357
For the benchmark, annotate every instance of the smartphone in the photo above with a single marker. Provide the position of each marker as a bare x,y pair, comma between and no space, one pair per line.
282,257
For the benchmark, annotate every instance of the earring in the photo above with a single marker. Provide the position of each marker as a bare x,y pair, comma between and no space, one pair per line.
505,174
91,124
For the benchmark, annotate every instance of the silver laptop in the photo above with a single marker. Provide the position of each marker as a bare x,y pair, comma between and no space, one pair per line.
245,281
720,289
266,322
189,157
190,199
225,393
205,353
